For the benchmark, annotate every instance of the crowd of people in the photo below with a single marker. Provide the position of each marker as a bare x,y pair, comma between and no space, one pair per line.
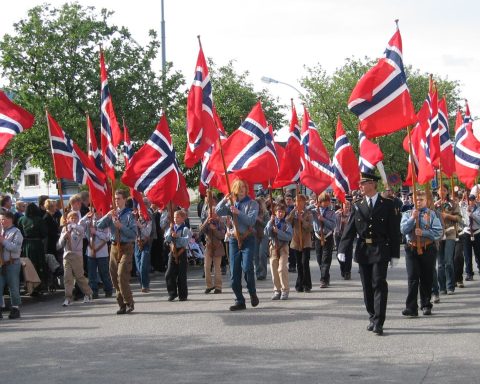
80,251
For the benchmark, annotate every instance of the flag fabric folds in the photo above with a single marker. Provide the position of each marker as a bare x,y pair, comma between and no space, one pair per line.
467,150
447,157
136,196
317,172
381,98
154,171
369,154
69,161
13,120
201,130
111,135
347,175
290,163
249,152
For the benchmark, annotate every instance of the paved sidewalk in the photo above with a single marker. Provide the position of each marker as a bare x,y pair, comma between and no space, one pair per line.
318,337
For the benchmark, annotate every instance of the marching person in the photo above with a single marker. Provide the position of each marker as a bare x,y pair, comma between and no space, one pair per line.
279,233
122,234
214,230
373,220
142,249
244,212
10,247
422,228
323,227
471,217
301,220
71,240
341,220
177,236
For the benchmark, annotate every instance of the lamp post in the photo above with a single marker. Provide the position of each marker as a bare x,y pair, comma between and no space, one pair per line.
269,80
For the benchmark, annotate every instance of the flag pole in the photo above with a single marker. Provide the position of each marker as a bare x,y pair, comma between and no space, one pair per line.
414,184
272,206
298,218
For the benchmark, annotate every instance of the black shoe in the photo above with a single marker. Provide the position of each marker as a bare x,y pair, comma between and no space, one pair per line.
308,290
122,310
469,278
217,291
172,297
208,290
130,308
427,311
238,307
378,329
299,289
254,299
108,294
323,284
409,313
182,299
14,313
1,317
348,276
95,295
261,278
370,326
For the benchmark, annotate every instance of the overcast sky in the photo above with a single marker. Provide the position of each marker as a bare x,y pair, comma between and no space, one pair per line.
278,38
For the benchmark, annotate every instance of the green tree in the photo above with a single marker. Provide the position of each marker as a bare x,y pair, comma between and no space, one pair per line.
52,61
327,97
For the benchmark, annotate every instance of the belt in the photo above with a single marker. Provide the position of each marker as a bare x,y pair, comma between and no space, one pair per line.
319,236
425,244
368,240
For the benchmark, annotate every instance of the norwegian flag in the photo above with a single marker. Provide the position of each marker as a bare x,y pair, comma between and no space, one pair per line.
69,161
209,178
433,131
13,120
347,175
100,198
317,173
290,164
201,130
137,197
381,98
467,150
153,170
249,152
447,157
370,154
109,128
421,155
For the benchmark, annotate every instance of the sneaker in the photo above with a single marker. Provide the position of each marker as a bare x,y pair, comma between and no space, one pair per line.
460,284
217,291
284,296
323,284
443,292
427,311
172,297
469,278
276,295
145,290
450,292
436,299
87,299
208,290
66,303
130,308
14,313
122,310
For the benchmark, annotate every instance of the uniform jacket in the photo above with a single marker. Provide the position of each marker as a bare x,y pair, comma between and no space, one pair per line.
381,227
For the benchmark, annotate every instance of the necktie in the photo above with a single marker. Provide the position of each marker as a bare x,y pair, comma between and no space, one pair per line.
370,205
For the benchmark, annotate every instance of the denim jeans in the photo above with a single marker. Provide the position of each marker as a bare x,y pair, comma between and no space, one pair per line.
261,257
103,270
12,279
467,251
241,260
446,276
142,262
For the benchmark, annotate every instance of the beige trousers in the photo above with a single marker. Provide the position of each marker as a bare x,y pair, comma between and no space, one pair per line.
279,268
73,269
121,257
217,261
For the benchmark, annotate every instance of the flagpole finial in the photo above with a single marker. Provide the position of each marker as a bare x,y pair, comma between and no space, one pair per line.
291,102
396,22
199,41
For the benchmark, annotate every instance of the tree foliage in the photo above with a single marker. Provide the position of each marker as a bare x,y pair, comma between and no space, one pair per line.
52,61
327,97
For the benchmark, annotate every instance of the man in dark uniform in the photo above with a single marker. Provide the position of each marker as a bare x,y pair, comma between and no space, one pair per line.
373,219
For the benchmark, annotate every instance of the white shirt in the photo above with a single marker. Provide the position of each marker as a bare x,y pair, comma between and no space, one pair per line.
373,198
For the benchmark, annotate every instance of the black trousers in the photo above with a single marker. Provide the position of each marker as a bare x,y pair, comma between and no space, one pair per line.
375,290
420,276
458,258
304,279
345,266
292,258
176,276
324,257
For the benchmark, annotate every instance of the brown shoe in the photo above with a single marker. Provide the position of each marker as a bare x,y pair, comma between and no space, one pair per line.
145,290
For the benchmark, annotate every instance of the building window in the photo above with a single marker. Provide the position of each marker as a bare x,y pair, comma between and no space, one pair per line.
32,180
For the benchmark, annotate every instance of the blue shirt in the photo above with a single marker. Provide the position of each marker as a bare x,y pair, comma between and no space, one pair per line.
128,231
432,230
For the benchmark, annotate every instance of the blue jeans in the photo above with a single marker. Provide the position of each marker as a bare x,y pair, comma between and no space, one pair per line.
261,257
446,275
12,279
103,269
142,262
242,261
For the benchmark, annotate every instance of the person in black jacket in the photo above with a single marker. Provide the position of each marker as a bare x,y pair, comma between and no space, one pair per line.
373,219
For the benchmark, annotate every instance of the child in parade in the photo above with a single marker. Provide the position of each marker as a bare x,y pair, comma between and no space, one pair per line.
142,250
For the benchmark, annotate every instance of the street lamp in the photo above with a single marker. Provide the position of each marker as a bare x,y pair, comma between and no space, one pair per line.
269,80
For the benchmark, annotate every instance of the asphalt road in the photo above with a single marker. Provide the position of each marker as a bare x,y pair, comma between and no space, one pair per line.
316,337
